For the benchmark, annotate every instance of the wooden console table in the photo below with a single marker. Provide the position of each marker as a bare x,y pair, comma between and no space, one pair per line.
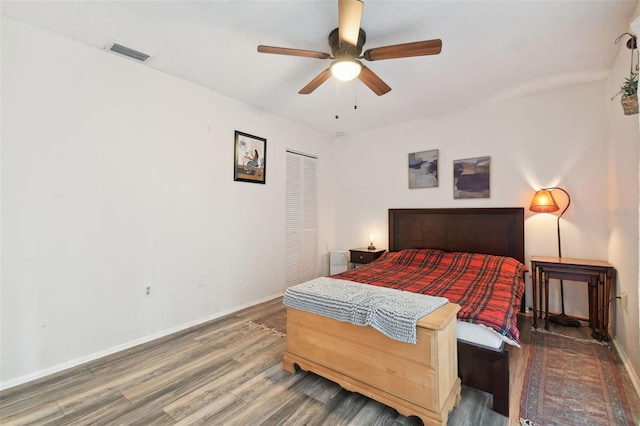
597,273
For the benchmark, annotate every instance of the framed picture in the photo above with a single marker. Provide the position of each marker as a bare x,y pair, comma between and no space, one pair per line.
423,169
471,178
250,160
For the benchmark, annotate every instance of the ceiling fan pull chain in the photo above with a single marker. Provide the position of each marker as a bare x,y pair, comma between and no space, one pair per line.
335,102
355,98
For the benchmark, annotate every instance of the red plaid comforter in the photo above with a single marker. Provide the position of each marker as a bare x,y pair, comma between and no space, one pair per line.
487,288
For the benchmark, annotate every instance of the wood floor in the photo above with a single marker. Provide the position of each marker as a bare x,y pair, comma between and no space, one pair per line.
225,372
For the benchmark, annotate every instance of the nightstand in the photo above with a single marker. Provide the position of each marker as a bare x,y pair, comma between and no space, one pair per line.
598,274
361,256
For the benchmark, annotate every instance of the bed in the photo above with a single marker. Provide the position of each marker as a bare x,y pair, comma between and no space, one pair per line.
316,343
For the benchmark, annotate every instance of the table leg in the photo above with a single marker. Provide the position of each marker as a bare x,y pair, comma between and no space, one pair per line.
603,318
534,287
592,303
610,274
546,300
541,288
594,316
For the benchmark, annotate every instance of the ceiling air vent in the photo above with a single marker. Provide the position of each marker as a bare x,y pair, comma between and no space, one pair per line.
128,52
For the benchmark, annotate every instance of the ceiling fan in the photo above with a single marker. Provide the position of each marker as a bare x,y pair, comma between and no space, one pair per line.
346,44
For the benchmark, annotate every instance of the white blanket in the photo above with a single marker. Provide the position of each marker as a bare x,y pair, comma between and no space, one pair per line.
394,313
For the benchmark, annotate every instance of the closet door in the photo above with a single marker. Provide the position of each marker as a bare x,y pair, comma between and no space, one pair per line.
301,219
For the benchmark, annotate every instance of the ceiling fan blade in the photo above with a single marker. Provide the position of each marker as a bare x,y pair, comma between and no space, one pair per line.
418,48
373,82
316,82
292,52
349,16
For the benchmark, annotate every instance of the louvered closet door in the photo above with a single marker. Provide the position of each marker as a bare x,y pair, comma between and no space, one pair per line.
301,219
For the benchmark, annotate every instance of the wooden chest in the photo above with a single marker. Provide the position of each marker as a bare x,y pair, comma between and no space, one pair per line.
415,379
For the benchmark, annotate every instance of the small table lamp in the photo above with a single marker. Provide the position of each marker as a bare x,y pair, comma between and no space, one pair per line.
543,202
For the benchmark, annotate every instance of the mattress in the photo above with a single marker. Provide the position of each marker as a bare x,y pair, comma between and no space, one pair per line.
488,288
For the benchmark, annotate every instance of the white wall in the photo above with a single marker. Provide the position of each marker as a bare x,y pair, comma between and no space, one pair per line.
115,175
623,140
551,139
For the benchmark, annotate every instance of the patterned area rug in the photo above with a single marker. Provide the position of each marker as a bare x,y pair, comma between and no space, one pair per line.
572,382
275,321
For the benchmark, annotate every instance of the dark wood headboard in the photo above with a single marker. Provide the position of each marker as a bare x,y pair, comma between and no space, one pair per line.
497,231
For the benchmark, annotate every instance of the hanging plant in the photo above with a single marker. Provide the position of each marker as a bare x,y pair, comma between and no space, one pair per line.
629,89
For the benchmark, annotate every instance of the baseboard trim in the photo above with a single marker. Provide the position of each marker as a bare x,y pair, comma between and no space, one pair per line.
627,366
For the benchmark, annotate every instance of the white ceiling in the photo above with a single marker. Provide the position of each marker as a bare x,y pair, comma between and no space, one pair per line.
491,49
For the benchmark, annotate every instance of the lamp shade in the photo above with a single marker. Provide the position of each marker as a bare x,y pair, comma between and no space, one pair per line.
543,202
346,69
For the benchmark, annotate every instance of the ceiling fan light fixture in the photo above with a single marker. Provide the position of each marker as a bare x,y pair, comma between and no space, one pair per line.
346,69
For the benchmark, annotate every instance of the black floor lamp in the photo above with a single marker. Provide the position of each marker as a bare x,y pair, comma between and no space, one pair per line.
543,202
